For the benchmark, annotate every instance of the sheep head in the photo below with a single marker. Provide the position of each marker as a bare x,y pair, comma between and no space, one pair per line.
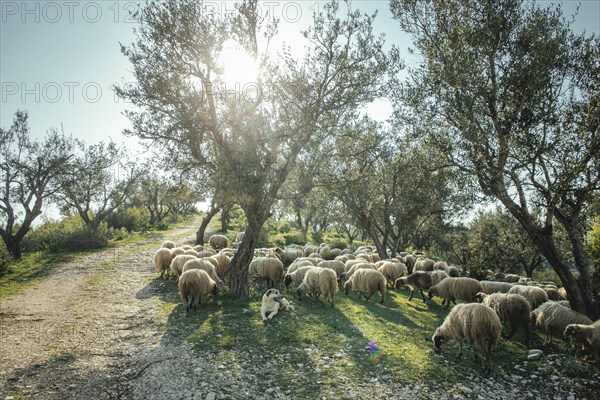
438,340
399,282
287,280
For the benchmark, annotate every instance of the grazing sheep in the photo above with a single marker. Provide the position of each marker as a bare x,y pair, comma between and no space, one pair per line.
198,247
309,249
441,265
191,252
554,319
337,266
551,291
562,292
195,284
222,263
319,281
511,278
177,264
186,247
424,264
177,251
343,258
452,289
206,253
533,294
477,323
300,263
496,287
410,261
289,255
437,276
218,242
588,335
453,272
297,276
352,262
513,310
367,282
268,268
417,280
203,264
392,271
167,244
325,252
356,267
162,261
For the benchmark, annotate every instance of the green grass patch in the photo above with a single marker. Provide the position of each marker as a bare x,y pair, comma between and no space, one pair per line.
31,269
317,346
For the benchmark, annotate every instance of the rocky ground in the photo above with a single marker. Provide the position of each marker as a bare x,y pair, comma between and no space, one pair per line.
88,331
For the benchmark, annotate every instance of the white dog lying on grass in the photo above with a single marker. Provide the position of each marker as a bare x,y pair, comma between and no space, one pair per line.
272,302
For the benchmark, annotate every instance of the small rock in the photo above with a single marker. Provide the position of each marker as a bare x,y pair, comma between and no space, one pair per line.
534,356
570,397
211,396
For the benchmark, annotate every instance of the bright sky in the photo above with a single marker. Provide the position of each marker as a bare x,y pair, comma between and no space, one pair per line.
59,59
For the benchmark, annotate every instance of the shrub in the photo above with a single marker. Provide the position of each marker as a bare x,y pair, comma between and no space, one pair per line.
52,235
5,257
130,218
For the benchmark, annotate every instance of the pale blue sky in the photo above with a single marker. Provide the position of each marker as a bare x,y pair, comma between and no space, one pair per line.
58,60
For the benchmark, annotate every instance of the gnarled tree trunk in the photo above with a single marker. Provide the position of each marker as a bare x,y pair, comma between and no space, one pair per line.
205,221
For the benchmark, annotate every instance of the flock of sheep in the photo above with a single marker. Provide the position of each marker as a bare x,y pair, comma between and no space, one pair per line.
508,301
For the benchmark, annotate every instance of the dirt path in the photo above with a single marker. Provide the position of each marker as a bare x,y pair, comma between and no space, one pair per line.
74,335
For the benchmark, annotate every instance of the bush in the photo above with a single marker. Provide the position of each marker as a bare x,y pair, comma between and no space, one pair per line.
52,235
68,234
87,239
5,257
130,218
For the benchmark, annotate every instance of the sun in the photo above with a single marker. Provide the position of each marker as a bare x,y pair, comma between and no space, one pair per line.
239,67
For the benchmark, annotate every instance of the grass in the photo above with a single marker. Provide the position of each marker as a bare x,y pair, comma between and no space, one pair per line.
31,269
34,267
318,345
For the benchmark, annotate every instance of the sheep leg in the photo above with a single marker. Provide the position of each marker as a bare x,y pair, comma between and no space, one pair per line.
411,294
460,350
382,297
423,296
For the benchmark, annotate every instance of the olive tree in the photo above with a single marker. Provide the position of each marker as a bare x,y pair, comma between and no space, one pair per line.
249,144
510,94
30,172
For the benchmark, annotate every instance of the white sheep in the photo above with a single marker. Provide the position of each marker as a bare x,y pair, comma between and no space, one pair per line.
167,244
367,281
441,265
588,335
335,265
496,287
476,323
177,251
554,319
222,263
162,261
195,284
437,275
417,280
177,264
296,276
533,294
452,289
512,309
268,268
392,271
300,263
203,264
319,281
218,242
424,264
